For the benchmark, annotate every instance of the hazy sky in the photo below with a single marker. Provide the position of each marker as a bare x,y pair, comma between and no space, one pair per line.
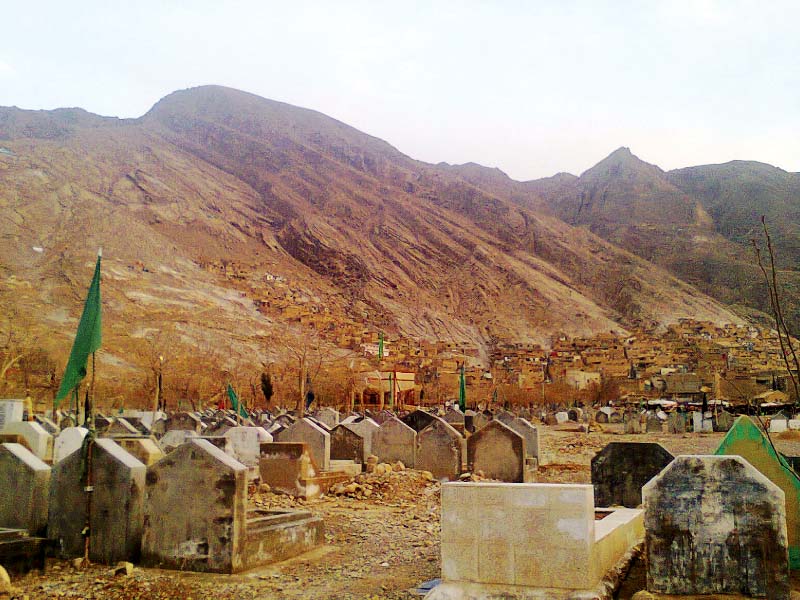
533,88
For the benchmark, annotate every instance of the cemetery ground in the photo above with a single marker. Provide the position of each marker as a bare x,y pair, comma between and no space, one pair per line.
381,536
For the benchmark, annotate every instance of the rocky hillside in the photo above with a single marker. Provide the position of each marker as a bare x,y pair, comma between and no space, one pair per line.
238,222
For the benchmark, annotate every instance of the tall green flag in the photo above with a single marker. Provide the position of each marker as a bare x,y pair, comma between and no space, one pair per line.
462,390
87,340
238,407
380,346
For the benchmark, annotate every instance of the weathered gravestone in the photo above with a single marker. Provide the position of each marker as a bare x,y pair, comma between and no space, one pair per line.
504,417
498,452
365,428
633,423
723,421
24,485
621,469
121,426
440,450
454,416
393,441
317,439
184,421
715,525
746,439
654,423
69,440
676,422
346,444
174,438
245,445
328,417
479,420
702,423
36,437
145,450
115,523
561,417
418,420
531,434
195,510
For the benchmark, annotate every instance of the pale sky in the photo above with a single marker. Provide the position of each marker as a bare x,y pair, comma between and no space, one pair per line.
533,88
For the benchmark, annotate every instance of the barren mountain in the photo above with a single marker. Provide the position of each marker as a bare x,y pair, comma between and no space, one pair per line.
227,217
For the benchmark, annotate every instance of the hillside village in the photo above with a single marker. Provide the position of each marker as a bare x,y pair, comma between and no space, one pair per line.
684,362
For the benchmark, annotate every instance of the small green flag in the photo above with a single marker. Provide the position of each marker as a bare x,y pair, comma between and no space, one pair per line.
238,407
380,346
87,340
462,390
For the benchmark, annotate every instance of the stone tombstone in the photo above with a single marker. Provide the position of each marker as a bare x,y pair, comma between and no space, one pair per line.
66,442
633,423
245,444
746,439
144,449
654,424
479,420
286,420
498,451
778,425
561,417
715,525
676,422
24,487
365,428
393,441
723,421
601,416
575,414
48,425
68,421
184,421
11,411
346,444
621,469
418,419
317,439
174,438
121,426
39,441
327,416
440,450
101,423
702,423
195,510
504,417
531,434
117,479
453,416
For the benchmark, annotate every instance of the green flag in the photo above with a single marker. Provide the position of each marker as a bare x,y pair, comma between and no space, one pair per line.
380,346
238,407
87,340
462,390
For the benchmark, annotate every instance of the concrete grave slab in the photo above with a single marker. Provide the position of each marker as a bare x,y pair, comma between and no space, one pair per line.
346,444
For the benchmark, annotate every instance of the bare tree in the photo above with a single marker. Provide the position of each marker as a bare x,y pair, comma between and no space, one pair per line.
771,279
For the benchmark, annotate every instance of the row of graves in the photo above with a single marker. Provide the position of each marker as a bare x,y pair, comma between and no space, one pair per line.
171,491
715,525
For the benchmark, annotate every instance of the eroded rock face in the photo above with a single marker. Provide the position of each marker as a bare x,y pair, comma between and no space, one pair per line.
715,525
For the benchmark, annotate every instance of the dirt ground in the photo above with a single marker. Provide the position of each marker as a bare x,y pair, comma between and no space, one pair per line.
378,545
